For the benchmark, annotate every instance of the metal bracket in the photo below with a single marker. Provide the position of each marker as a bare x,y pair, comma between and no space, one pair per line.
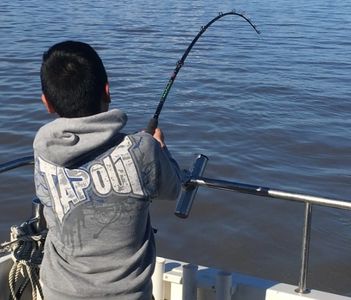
188,194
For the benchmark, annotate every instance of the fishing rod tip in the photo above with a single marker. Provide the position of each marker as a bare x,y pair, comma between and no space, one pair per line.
255,28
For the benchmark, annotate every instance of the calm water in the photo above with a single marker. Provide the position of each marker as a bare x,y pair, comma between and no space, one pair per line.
270,110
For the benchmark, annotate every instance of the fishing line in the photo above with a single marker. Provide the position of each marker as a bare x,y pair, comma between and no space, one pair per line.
153,123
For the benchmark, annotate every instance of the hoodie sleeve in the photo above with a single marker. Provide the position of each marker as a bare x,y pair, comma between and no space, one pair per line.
169,176
158,171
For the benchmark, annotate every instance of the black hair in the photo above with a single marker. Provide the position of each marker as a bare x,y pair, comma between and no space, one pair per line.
73,79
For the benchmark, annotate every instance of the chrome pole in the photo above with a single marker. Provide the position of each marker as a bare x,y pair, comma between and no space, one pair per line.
305,251
13,164
268,192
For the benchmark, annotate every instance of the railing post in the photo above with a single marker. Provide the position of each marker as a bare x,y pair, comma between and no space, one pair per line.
157,279
305,250
189,282
223,285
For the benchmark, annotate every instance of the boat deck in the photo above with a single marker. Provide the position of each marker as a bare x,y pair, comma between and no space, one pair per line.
176,280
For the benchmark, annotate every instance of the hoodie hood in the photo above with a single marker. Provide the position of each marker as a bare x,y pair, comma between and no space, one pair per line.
66,139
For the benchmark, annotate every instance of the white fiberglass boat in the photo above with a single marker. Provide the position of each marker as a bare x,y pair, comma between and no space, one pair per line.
176,280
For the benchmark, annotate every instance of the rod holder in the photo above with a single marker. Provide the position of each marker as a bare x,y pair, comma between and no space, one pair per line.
38,216
185,202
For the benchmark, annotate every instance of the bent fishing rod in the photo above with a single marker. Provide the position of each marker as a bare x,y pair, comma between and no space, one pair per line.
153,123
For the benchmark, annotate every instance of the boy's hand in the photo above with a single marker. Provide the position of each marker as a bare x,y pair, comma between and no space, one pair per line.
158,135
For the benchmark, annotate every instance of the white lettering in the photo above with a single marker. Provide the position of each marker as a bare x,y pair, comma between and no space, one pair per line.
67,194
80,180
127,167
117,173
62,190
100,179
49,171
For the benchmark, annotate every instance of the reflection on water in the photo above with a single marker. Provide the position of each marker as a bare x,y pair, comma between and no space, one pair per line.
270,110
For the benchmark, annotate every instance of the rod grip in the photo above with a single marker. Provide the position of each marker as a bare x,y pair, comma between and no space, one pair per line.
152,125
185,202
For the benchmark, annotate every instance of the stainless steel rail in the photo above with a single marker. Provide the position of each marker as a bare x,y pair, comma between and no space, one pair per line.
13,164
183,205
268,192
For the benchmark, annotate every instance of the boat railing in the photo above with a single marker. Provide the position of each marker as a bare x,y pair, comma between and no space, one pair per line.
194,179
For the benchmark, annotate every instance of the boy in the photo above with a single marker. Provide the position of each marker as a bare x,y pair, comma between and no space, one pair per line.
96,184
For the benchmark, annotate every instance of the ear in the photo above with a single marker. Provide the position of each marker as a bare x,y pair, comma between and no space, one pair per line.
107,97
47,104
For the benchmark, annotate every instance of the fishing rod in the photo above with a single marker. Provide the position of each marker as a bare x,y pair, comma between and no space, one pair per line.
154,120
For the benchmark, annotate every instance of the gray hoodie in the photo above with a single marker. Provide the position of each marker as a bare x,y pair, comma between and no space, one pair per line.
96,184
